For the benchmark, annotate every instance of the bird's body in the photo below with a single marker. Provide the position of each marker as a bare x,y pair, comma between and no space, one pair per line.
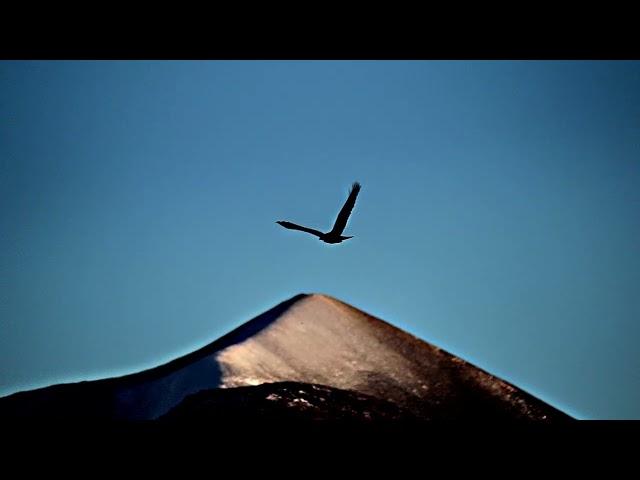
335,234
328,238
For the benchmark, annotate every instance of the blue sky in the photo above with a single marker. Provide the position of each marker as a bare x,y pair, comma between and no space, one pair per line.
499,214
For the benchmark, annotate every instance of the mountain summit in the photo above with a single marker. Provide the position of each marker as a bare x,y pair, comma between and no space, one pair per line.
312,354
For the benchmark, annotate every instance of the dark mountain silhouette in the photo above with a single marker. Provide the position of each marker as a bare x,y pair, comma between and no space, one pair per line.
335,234
285,403
310,357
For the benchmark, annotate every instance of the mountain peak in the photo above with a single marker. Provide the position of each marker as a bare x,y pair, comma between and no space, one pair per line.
316,339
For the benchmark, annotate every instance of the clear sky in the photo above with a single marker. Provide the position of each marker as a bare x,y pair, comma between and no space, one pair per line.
498,217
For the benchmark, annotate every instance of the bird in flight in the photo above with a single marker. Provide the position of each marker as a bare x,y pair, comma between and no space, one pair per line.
335,235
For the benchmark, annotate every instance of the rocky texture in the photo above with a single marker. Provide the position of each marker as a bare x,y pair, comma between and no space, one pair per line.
285,403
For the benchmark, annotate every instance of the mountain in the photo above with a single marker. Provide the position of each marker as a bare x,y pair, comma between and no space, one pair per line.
310,357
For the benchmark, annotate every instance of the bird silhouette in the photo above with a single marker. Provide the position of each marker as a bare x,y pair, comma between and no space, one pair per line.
335,234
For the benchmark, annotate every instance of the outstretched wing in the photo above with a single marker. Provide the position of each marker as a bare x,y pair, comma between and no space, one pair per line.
343,216
293,226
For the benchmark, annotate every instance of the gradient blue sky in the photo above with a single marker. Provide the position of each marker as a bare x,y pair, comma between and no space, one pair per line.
499,215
